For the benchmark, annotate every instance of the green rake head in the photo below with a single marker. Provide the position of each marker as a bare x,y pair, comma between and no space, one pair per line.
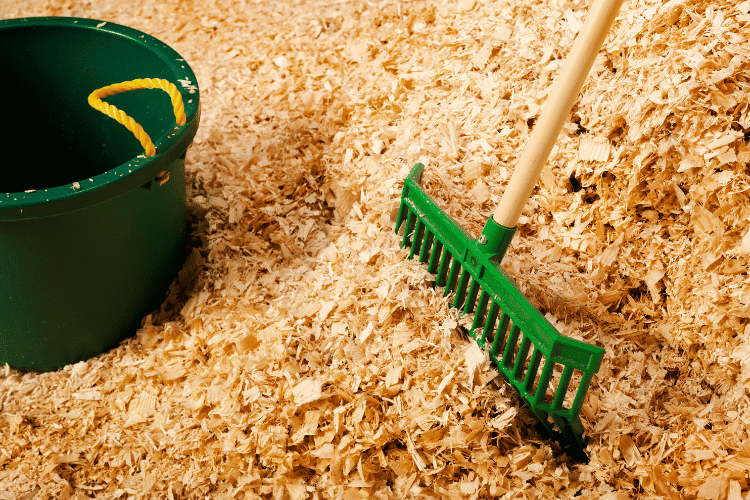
550,372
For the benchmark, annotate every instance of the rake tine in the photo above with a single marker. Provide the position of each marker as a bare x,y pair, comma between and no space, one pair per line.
435,256
458,300
502,328
528,382
523,351
510,345
426,245
572,431
479,314
583,388
471,298
410,220
564,427
544,378
491,318
543,417
403,210
418,237
445,261
562,387
452,277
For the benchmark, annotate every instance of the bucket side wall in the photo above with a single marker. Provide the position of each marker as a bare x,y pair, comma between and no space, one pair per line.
76,284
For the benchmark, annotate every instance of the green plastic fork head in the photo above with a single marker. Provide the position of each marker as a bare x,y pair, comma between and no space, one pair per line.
550,372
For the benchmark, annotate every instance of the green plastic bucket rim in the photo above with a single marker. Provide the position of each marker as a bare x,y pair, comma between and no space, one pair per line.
137,171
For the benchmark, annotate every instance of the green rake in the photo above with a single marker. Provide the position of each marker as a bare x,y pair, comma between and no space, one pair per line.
540,363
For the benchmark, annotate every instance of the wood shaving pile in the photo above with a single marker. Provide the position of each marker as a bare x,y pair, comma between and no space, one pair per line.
300,355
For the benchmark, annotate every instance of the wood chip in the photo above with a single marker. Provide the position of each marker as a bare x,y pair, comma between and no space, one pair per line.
306,391
593,149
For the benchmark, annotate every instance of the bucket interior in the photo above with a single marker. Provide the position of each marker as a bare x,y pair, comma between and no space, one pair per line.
50,135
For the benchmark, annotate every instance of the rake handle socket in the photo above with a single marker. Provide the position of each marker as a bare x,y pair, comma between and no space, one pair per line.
495,240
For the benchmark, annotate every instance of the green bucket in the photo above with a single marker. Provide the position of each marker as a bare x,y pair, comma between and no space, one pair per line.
92,230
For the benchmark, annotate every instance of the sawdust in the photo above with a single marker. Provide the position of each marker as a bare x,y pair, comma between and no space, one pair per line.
300,355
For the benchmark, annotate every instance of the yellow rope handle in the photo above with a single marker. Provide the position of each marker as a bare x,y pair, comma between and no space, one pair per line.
95,100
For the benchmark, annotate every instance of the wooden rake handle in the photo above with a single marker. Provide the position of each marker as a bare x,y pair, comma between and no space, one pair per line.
561,98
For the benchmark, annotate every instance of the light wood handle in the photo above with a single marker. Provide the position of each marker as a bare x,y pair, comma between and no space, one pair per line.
561,98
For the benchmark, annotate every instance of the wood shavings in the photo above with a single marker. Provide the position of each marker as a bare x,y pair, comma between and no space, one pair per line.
593,149
140,409
301,355
480,193
714,489
474,356
306,391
